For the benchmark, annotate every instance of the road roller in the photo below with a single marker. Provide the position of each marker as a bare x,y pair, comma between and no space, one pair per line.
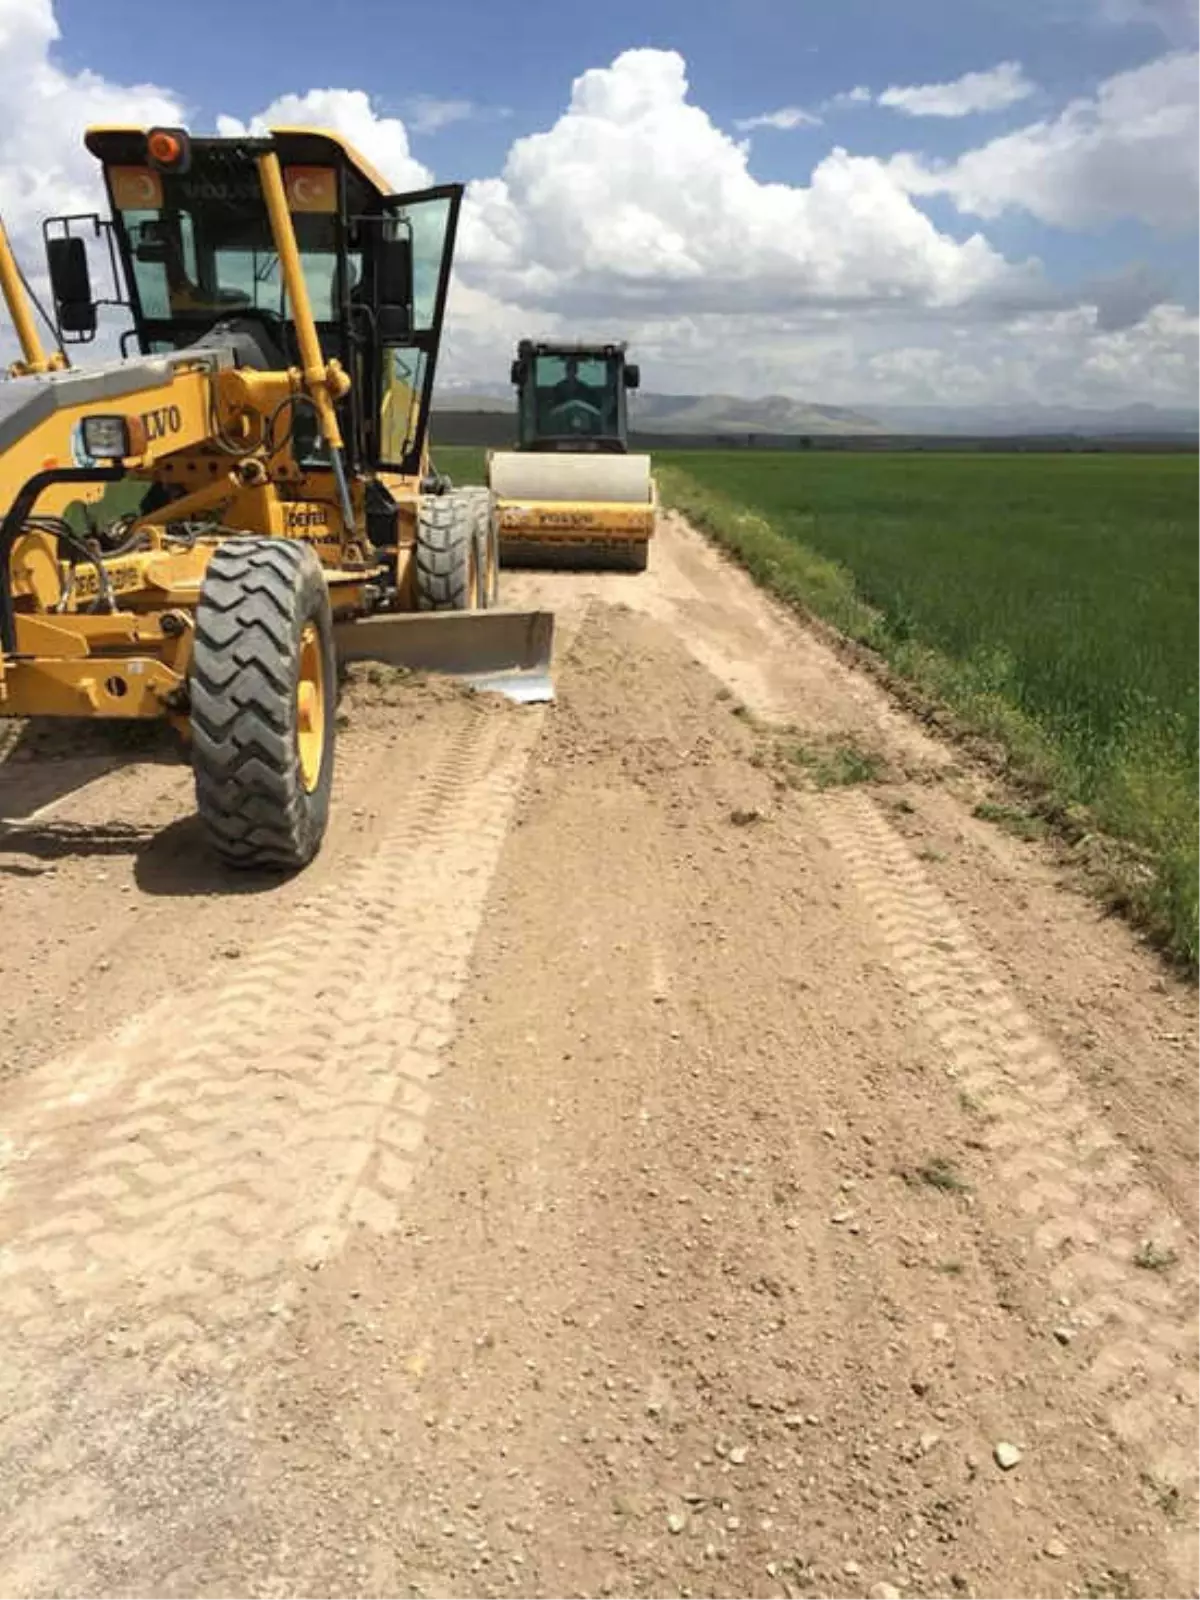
572,494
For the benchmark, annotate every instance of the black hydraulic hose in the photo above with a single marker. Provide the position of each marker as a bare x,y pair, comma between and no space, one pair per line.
65,532
13,526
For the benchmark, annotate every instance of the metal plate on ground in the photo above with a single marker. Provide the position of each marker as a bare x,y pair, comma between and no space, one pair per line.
505,652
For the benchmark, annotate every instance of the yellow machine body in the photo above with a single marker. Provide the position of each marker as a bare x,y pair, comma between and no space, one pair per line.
244,417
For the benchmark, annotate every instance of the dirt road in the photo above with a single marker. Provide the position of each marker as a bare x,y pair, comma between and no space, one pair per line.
667,1145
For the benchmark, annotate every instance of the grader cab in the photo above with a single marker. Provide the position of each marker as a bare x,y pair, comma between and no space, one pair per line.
204,528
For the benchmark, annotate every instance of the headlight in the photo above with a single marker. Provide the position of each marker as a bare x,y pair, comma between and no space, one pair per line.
107,438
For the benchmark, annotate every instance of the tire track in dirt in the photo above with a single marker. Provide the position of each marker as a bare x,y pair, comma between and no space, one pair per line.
162,1191
1091,1225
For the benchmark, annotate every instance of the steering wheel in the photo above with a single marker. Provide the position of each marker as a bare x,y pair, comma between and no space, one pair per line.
576,416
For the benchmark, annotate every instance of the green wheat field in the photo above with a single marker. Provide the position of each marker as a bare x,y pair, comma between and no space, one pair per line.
1050,601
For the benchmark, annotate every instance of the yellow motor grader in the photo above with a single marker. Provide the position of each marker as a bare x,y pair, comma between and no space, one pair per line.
204,528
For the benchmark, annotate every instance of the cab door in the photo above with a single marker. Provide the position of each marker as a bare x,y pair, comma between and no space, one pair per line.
409,334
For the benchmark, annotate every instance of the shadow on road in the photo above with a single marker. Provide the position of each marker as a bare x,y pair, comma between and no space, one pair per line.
44,762
48,841
178,862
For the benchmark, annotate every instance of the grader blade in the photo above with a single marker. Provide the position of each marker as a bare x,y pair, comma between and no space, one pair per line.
506,652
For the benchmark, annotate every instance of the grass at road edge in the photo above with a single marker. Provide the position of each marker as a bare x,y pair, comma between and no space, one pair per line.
1139,846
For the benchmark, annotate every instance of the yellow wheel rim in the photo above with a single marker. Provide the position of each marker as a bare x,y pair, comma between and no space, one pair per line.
310,707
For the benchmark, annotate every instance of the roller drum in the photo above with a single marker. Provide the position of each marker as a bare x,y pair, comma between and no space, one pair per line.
551,475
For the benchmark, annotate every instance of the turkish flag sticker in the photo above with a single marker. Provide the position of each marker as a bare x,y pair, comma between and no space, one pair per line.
136,189
311,188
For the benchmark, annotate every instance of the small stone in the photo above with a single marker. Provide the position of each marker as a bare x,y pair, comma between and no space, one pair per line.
885,1591
1064,1335
851,1569
738,1455
939,1332
676,1522
1006,1455
793,1420
929,1441
1055,1549
842,1216
829,1133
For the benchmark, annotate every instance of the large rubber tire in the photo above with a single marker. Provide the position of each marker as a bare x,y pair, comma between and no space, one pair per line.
487,545
447,570
262,685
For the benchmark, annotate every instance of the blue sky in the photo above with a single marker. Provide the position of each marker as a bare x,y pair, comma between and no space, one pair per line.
743,56
1032,228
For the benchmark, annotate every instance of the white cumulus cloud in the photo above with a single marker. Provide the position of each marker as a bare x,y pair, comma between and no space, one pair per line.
1177,20
786,118
579,217
838,287
426,113
383,140
860,95
1128,151
44,167
995,90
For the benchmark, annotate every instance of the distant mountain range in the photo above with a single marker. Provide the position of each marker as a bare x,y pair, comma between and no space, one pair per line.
779,414
696,413
727,413
1140,419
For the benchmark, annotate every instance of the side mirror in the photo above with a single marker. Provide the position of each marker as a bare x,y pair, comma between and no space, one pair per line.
515,373
395,272
393,324
71,285
633,377
394,290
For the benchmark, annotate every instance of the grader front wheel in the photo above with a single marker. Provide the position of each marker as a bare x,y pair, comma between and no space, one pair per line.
262,685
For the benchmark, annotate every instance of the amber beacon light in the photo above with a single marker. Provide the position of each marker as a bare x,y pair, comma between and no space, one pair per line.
168,149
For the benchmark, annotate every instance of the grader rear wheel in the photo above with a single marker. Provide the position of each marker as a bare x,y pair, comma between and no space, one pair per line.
262,684
448,555
487,546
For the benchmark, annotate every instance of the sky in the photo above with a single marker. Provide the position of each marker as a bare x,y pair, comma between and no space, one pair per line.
960,202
